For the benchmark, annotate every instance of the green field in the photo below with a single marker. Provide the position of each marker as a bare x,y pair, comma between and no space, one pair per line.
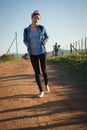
75,63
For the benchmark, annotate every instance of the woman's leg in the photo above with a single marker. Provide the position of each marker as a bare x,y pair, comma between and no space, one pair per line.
43,62
35,64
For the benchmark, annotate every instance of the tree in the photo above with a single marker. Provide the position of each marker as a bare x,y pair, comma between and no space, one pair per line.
56,49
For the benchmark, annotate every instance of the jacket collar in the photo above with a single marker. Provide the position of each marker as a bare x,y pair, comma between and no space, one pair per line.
37,26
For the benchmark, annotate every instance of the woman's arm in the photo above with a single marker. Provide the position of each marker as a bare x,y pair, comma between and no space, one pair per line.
46,37
25,40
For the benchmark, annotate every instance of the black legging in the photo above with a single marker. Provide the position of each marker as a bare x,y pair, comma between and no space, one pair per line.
36,66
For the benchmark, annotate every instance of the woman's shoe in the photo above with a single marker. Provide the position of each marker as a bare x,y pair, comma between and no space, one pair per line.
47,89
41,94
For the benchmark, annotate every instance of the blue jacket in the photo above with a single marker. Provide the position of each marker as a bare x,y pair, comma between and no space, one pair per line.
43,36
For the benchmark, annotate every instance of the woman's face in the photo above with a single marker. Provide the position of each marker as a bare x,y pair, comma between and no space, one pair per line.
36,18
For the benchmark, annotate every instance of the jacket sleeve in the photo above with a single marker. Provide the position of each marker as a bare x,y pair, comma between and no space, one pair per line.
25,36
46,37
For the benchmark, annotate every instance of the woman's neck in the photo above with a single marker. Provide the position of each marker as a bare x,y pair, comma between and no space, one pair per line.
33,26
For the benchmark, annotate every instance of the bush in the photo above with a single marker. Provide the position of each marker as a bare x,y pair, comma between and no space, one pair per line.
25,56
7,57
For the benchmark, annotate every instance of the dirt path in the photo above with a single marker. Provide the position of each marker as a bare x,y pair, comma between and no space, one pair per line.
65,108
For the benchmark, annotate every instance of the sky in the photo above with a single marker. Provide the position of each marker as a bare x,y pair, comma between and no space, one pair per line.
64,20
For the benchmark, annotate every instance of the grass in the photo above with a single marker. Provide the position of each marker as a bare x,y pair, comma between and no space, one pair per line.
6,58
75,63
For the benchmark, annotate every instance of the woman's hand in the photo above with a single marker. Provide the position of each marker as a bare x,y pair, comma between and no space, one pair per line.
26,44
43,42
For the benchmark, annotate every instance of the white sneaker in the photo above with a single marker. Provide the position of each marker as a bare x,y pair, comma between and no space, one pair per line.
41,94
47,89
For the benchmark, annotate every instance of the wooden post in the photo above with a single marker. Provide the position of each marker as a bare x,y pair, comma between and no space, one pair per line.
10,46
76,45
16,43
85,43
70,48
73,47
81,44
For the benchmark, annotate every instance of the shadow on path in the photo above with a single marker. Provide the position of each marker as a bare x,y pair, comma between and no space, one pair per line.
17,77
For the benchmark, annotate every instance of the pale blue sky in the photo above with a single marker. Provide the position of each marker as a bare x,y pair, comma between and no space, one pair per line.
64,20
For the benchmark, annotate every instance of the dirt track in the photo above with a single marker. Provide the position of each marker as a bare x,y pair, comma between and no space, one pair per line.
65,108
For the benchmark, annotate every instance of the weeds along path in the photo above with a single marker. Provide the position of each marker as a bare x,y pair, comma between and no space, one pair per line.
65,108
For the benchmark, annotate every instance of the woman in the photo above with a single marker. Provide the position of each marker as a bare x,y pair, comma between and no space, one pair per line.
35,38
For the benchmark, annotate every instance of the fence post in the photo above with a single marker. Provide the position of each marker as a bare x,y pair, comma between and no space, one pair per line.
76,45
85,43
81,44
70,48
